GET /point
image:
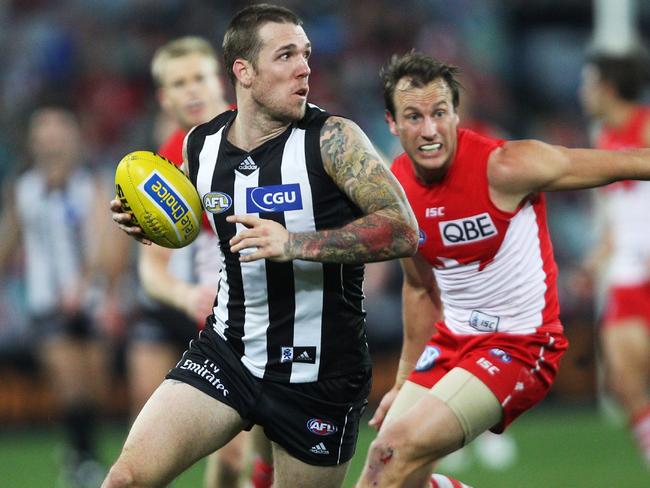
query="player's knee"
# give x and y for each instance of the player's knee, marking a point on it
(119, 476)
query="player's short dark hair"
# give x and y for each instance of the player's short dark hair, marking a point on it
(241, 39)
(627, 73)
(422, 70)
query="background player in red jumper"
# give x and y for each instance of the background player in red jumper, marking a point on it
(485, 324)
(190, 91)
(611, 86)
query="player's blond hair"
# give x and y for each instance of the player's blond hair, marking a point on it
(179, 48)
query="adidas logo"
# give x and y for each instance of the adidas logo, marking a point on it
(319, 449)
(303, 357)
(247, 165)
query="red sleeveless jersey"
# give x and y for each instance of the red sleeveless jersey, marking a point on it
(627, 204)
(628, 136)
(495, 269)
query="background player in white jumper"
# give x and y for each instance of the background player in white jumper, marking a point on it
(611, 87)
(53, 212)
(485, 325)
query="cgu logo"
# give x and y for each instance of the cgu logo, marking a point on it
(467, 230)
(163, 195)
(216, 202)
(321, 427)
(276, 198)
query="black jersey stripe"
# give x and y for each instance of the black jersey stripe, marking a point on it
(281, 293)
(343, 316)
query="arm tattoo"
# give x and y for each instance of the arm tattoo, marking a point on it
(387, 229)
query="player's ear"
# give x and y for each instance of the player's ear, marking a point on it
(243, 71)
(163, 100)
(390, 120)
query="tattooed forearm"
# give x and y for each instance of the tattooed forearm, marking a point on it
(368, 239)
(388, 228)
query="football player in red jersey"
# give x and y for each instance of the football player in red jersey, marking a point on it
(482, 336)
(611, 86)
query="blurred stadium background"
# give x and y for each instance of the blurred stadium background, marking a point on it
(521, 62)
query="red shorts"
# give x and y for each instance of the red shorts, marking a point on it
(518, 369)
(627, 302)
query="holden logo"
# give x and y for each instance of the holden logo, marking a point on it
(321, 427)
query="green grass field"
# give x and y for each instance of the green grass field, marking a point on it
(558, 448)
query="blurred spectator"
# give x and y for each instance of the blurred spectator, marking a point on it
(54, 211)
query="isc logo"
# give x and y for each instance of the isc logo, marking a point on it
(276, 198)
(216, 202)
(164, 196)
(321, 427)
(467, 230)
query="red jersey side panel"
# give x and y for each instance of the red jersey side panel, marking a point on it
(172, 149)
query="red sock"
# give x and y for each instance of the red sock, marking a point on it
(262, 475)
(640, 424)
(443, 481)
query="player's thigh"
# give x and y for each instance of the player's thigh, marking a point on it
(233, 453)
(147, 365)
(626, 346)
(177, 426)
(436, 421)
(408, 396)
(64, 361)
(290, 472)
(259, 446)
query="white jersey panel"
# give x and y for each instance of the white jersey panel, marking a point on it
(508, 295)
(256, 304)
(627, 210)
(208, 160)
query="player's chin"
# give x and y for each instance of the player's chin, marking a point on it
(297, 111)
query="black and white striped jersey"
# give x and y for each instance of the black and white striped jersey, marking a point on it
(54, 223)
(297, 321)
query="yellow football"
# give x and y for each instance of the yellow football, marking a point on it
(162, 200)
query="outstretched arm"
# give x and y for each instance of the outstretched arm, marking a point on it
(386, 230)
(520, 168)
(421, 309)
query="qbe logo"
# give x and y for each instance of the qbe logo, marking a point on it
(467, 230)
(321, 427)
(275, 198)
(216, 202)
(164, 196)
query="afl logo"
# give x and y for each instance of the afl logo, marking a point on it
(321, 427)
(422, 238)
(428, 358)
(501, 354)
(216, 202)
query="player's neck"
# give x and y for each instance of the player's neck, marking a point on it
(252, 128)
(619, 114)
